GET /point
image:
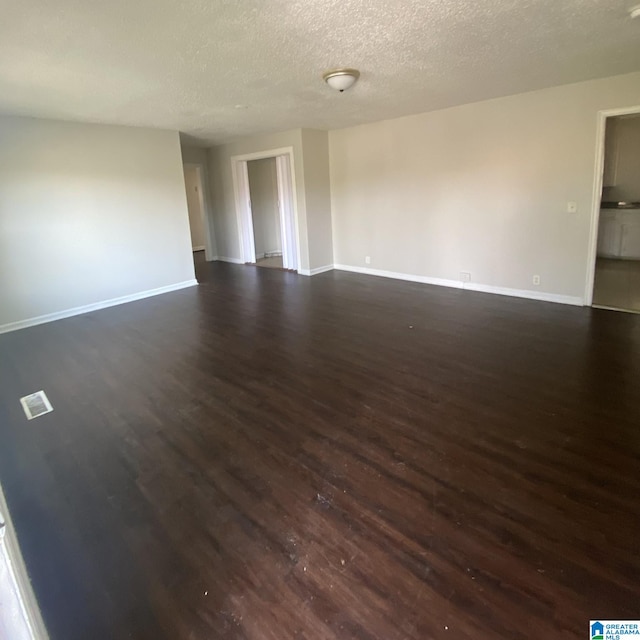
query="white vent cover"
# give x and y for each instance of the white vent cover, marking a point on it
(36, 404)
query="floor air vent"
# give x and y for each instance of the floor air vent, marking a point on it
(36, 404)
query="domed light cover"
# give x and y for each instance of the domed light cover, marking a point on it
(341, 79)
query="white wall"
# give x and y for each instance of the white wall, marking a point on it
(196, 215)
(194, 155)
(88, 213)
(315, 148)
(481, 188)
(263, 188)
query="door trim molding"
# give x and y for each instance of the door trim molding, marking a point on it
(242, 199)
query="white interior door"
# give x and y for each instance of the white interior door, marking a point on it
(287, 216)
(243, 203)
(195, 207)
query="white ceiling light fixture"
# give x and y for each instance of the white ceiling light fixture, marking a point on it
(634, 12)
(341, 79)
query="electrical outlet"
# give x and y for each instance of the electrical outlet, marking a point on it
(367, 259)
(572, 207)
(536, 280)
(465, 276)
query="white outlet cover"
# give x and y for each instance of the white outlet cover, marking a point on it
(465, 276)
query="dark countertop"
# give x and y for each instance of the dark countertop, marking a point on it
(620, 205)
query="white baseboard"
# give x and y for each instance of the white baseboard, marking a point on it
(96, 306)
(525, 293)
(232, 260)
(469, 286)
(316, 271)
(197, 248)
(456, 284)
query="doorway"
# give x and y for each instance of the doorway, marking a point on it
(616, 281)
(266, 208)
(265, 213)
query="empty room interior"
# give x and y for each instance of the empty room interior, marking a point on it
(320, 321)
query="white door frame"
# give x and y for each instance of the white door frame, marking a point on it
(209, 253)
(287, 203)
(597, 195)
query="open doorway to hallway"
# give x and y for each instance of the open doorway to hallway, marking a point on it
(617, 269)
(265, 212)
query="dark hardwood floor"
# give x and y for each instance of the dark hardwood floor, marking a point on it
(269, 456)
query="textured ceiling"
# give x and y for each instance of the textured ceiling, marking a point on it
(217, 70)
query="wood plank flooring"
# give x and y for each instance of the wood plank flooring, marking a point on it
(617, 284)
(274, 262)
(273, 457)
